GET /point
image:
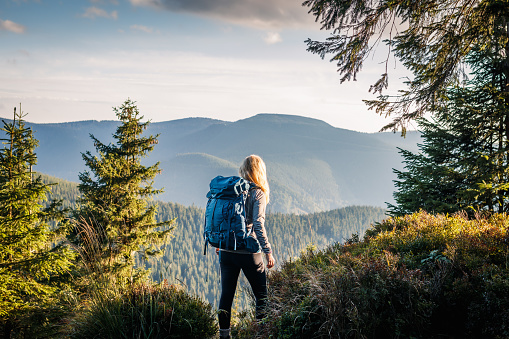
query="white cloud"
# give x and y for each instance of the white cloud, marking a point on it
(274, 14)
(94, 12)
(272, 38)
(71, 85)
(142, 2)
(142, 28)
(8, 25)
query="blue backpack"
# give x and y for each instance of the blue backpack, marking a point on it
(225, 215)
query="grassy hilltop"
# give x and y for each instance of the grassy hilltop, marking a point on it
(417, 276)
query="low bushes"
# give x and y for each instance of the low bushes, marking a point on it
(417, 276)
(144, 311)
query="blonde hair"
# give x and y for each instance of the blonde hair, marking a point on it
(253, 169)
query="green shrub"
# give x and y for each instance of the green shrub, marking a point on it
(416, 276)
(349, 300)
(145, 311)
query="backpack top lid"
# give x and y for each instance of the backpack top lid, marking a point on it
(227, 187)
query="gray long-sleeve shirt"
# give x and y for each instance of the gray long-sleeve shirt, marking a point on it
(255, 217)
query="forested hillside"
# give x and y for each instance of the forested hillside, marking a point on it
(183, 261)
(61, 189)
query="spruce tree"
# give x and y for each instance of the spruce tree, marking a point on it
(431, 179)
(431, 38)
(115, 193)
(463, 162)
(33, 256)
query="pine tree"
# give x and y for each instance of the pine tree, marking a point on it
(33, 256)
(115, 193)
(432, 38)
(430, 180)
(463, 162)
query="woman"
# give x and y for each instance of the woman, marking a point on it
(231, 262)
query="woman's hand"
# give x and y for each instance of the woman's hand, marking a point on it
(270, 260)
(217, 251)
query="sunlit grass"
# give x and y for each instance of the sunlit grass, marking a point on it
(416, 276)
(117, 308)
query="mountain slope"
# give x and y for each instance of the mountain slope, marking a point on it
(311, 165)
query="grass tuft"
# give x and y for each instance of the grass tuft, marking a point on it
(116, 307)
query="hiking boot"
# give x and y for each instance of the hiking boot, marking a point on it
(224, 333)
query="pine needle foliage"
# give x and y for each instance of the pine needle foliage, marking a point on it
(33, 255)
(463, 162)
(115, 191)
(431, 38)
(414, 276)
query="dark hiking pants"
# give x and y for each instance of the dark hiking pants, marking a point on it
(254, 269)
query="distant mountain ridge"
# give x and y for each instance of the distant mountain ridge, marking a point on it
(312, 166)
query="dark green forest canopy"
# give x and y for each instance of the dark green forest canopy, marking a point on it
(431, 38)
(61, 189)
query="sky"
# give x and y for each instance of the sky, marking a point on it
(74, 60)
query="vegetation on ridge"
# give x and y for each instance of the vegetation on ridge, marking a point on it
(416, 276)
(113, 309)
(34, 260)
